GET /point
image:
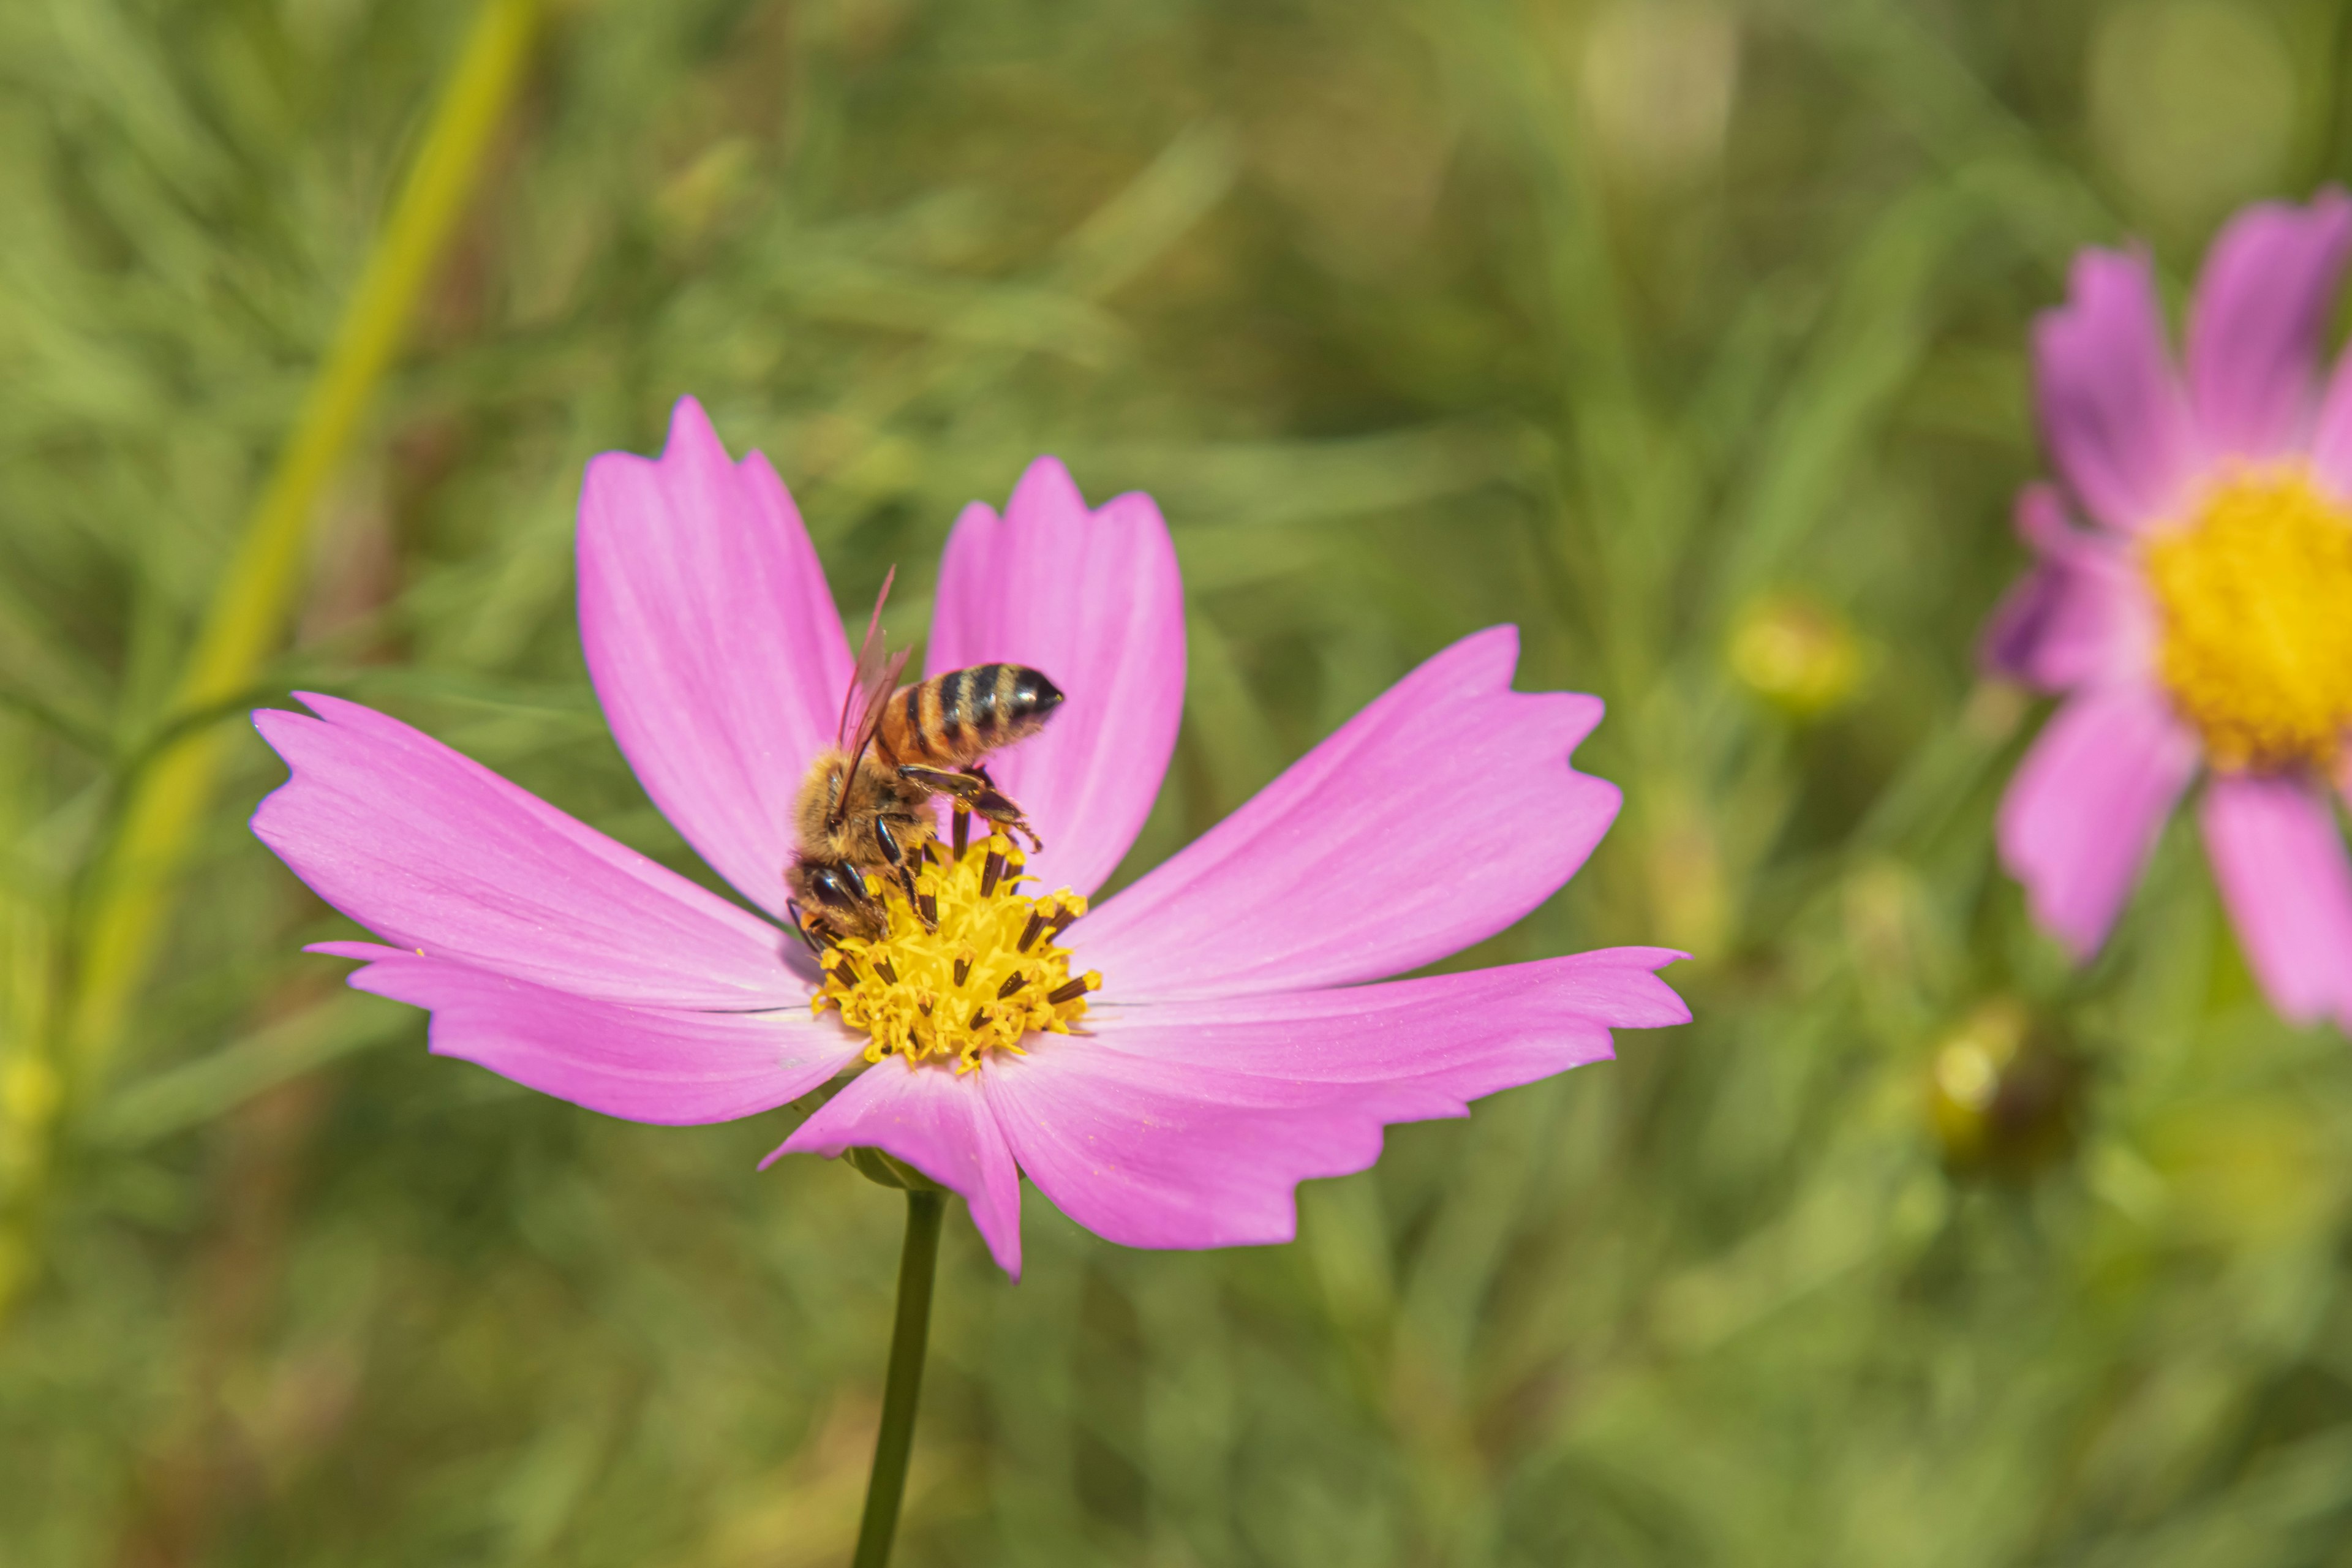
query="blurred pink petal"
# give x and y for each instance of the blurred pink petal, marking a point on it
(2112, 409)
(2259, 321)
(936, 1120)
(2331, 432)
(2085, 809)
(2280, 860)
(1191, 1124)
(713, 643)
(430, 850)
(2081, 616)
(1094, 600)
(1443, 812)
(657, 1065)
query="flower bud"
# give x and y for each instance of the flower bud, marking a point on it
(2004, 1094)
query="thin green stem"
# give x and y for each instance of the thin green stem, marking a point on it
(910, 1338)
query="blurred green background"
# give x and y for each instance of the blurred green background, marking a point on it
(1685, 333)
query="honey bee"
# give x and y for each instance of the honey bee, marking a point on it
(865, 806)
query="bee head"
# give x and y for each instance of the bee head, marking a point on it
(835, 893)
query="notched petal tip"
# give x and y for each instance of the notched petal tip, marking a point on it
(691, 452)
(1045, 489)
(692, 436)
(1645, 999)
(274, 723)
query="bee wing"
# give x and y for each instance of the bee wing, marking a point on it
(871, 657)
(869, 692)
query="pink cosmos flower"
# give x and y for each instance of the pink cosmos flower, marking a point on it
(2204, 623)
(1229, 1051)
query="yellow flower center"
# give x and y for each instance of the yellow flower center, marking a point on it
(2256, 598)
(987, 976)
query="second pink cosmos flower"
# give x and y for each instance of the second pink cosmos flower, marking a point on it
(1231, 1052)
(2204, 626)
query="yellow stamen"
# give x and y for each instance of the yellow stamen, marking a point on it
(970, 986)
(2255, 593)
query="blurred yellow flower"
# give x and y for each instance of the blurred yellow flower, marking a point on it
(1659, 78)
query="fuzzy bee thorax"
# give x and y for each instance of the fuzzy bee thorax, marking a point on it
(845, 829)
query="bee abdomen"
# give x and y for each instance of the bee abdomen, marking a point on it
(952, 720)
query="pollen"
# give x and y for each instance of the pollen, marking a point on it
(2255, 595)
(987, 978)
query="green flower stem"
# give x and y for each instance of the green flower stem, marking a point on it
(169, 799)
(910, 1338)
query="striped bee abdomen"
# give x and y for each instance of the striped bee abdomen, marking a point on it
(953, 720)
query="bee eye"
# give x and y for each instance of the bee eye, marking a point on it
(831, 886)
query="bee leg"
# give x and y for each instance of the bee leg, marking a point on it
(1007, 813)
(1001, 809)
(905, 870)
(1003, 813)
(915, 898)
(809, 930)
(970, 788)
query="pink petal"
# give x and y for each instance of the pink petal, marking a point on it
(2112, 409)
(1094, 600)
(2331, 432)
(641, 1064)
(1191, 1124)
(713, 642)
(1151, 1152)
(2086, 805)
(2081, 616)
(1460, 1036)
(1435, 817)
(2331, 435)
(937, 1122)
(432, 850)
(2258, 321)
(2280, 860)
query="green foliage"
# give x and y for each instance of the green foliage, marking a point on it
(1629, 321)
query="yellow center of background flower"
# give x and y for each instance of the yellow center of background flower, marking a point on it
(989, 975)
(2256, 595)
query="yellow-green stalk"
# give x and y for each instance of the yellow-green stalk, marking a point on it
(166, 801)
